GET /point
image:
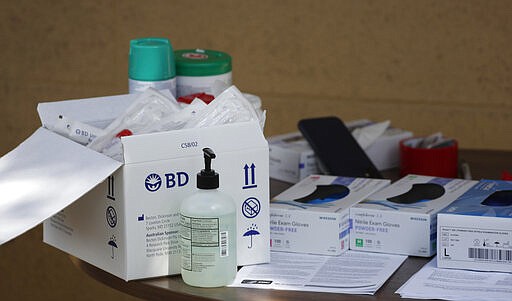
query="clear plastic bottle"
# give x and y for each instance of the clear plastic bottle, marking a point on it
(208, 232)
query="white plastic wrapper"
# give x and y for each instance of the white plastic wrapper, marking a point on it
(367, 135)
(177, 120)
(74, 130)
(154, 112)
(229, 107)
(150, 108)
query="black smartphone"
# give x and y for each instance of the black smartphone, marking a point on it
(336, 149)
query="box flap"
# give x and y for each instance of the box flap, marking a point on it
(98, 111)
(43, 175)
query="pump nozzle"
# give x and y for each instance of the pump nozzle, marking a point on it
(208, 178)
(208, 156)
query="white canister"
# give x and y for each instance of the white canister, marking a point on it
(198, 69)
(151, 64)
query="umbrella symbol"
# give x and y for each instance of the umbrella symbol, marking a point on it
(251, 231)
(112, 243)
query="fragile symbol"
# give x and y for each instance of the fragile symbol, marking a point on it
(251, 207)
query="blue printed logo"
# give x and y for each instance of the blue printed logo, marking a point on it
(153, 182)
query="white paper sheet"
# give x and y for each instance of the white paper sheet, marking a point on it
(351, 272)
(368, 134)
(42, 176)
(432, 282)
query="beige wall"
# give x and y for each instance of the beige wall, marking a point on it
(426, 65)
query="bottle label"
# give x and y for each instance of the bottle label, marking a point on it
(137, 86)
(202, 243)
(186, 85)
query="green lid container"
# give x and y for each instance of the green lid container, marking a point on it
(151, 59)
(201, 62)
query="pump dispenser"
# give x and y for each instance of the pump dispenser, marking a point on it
(208, 232)
(208, 178)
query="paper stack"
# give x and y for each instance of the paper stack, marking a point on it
(432, 282)
(350, 273)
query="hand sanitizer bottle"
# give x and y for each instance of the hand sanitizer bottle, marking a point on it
(208, 232)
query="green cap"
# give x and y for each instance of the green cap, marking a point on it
(201, 62)
(151, 59)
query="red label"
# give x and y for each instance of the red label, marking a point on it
(195, 56)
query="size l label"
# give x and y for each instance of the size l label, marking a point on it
(476, 245)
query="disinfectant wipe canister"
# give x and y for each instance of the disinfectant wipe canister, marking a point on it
(198, 69)
(151, 64)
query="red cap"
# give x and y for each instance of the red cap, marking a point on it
(206, 98)
(125, 132)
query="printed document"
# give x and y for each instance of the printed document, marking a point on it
(351, 272)
(432, 282)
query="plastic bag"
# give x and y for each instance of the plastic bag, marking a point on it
(150, 108)
(177, 120)
(74, 130)
(229, 107)
(154, 112)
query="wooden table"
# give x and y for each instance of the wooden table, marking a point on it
(483, 164)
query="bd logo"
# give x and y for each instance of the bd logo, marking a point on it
(153, 181)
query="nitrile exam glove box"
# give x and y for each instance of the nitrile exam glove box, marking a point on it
(402, 218)
(312, 216)
(475, 231)
(128, 224)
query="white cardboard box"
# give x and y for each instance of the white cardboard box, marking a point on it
(292, 159)
(128, 224)
(475, 231)
(402, 218)
(313, 215)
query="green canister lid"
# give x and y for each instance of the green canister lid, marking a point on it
(201, 62)
(151, 59)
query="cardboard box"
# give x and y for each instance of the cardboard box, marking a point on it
(313, 215)
(475, 231)
(401, 218)
(292, 159)
(128, 224)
